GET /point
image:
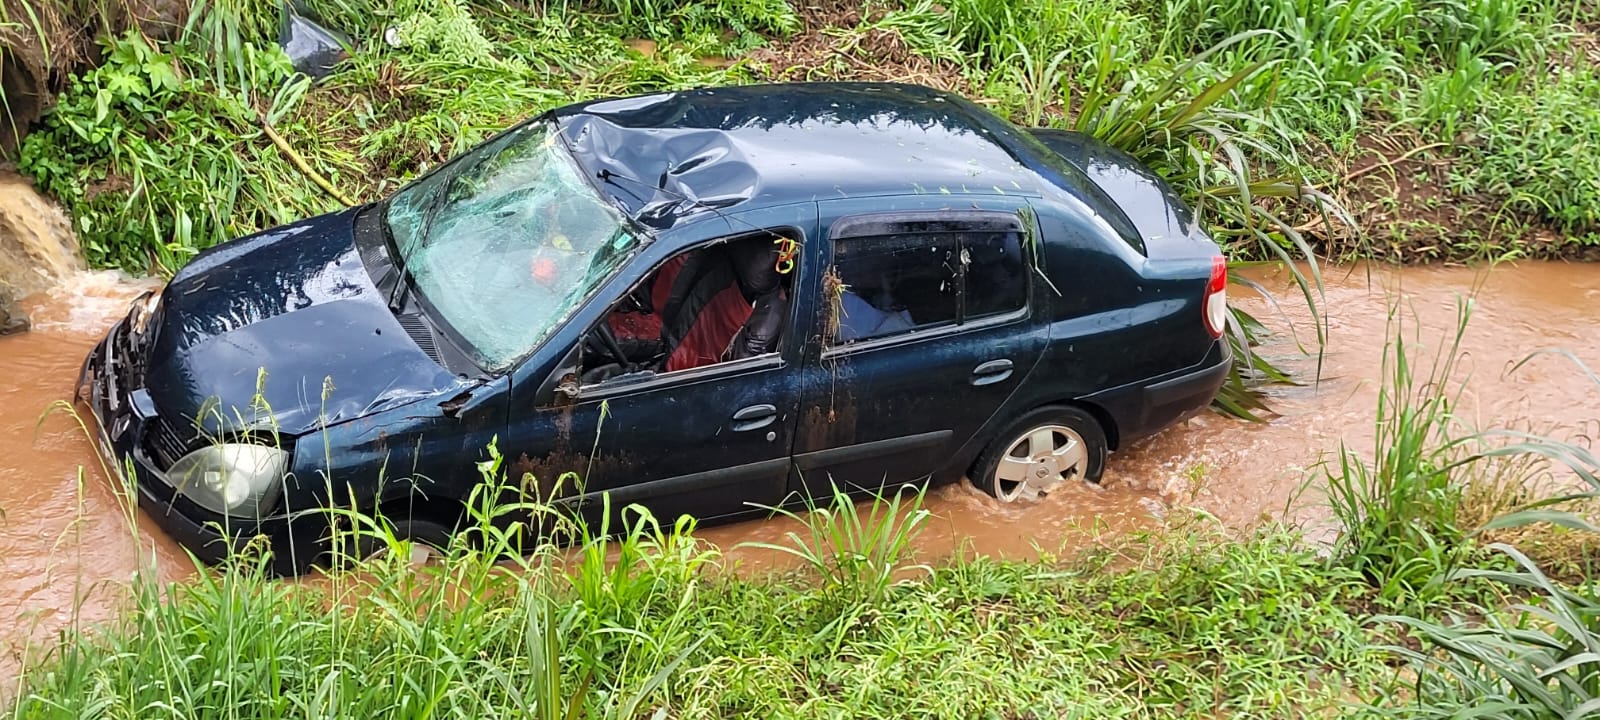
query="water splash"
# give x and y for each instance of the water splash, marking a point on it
(37, 247)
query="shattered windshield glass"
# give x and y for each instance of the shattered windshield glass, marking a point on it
(506, 240)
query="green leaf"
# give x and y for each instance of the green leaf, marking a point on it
(102, 107)
(1568, 520)
(161, 73)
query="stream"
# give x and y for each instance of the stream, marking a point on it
(69, 544)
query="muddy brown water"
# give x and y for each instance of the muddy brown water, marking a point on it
(69, 544)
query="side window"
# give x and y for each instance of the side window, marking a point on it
(723, 301)
(890, 284)
(997, 277)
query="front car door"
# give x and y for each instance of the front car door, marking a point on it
(706, 441)
(925, 328)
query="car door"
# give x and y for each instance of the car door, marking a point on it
(925, 329)
(707, 441)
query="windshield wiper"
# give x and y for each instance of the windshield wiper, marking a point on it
(402, 284)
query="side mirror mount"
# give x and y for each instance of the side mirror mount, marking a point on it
(566, 391)
(561, 387)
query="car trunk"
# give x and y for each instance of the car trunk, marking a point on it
(1163, 222)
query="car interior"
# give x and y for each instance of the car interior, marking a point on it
(716, 303)
(894, 283)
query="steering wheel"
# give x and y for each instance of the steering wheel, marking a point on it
(603, 342)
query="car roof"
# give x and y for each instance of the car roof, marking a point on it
(673, 157)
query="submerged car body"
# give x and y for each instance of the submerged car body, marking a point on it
(704, 302)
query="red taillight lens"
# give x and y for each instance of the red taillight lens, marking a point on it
(1216, 304)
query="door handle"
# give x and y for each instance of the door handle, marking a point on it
(991, 372)
(754, 417)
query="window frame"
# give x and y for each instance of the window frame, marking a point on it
(622, 384)
(956, 222)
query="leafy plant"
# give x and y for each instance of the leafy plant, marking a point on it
(1207, 624)
(1534, 660)
(1540, 149)
(1401, 511)
(155, 161)
(856, 556)
(1212, 155)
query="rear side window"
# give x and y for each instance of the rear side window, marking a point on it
(890, 284)
(997, 280)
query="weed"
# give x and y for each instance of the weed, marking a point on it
(1536, 659)
(857, 557)
(155, 160)
(1399, 510)
(1410, 513)
(1249, 626)
(1540, 149)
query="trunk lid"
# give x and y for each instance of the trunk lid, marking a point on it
(1164, 222)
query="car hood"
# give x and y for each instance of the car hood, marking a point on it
(284, 326)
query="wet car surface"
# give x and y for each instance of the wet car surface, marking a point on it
(704, 302)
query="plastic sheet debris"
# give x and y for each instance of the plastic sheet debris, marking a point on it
(312, 48)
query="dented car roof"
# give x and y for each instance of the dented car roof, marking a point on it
(672, 156)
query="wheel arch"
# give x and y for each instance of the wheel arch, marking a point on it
(1102, 416)
(1108, 425)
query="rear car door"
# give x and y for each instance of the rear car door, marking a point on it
(925, 327)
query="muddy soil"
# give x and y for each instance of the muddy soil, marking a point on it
(68, 541)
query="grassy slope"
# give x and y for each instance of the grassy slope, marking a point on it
(160, 151)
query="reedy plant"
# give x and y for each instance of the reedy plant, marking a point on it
(1401, 509)
(1182, 127)
(1535, 660)
(482, 631)
(857, 557)
(1398, 510)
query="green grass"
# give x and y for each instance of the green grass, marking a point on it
(159, 152)
(1399, 510)
(1410, 512)
(1524, 660)
(1519, 158)
(645, 626)
(1531, 649)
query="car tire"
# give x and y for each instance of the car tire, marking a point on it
(429, 540)
(1040, 451)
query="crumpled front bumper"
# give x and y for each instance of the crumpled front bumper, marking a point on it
(111, 384)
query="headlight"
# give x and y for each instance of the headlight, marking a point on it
(235, 479)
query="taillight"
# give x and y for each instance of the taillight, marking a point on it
(1216, 305)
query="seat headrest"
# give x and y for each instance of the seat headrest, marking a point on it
(755, 265)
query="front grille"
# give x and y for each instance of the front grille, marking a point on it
(129, 350)
(165, 442)
(126, 358)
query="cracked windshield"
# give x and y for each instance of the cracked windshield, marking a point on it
(538, 237)
(772, 359)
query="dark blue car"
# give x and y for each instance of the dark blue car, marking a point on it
(703, 302)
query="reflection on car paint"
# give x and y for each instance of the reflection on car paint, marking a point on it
(385, 400)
